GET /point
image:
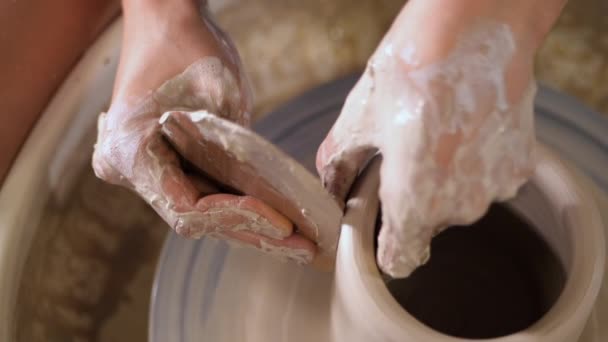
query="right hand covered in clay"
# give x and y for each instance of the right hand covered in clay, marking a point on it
(447, 99)
(174, 59)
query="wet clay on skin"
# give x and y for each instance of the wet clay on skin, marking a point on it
(238, 158)
(132, 152)
(453, 138)
(490, 279)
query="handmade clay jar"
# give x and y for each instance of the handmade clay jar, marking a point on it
(554, 201)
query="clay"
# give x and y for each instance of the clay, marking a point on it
(363, 308)
(242, 161)
(453, 133)
(131, 152)
(294, 304)
(490, 279)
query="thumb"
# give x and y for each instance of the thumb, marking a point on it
(232, 212)
(339, 163)
(348, 146)
(251, 222)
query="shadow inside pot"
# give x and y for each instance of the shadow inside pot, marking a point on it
(490, 279)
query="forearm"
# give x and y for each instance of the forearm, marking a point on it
(168, 6)
(532, 17)
(41, 41)
(433, 26)
(157, 13)
(170, 32)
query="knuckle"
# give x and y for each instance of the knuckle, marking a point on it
(102, 168)
(106, 161)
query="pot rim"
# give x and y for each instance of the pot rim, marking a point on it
(566, 317)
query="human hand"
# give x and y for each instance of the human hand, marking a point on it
(447, 99)
(160, 43)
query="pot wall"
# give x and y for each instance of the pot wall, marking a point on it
(554, 201)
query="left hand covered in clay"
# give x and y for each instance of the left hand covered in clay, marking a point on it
(447, 99)
(174, 59)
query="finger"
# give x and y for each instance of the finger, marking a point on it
(405, 235)
(339, 164)
(244, 213)
(145, 163)
(398, 256)
(159, 179)
(295, 247)
(347, 146)
(231, 158)
(177, 204)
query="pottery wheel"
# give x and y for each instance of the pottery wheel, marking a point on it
(206, 290)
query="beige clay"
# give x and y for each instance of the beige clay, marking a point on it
(240, 159)
(131, 152)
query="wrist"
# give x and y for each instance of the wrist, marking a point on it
(434, 26)
(530, 21)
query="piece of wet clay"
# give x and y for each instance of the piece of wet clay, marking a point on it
(242, 161)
